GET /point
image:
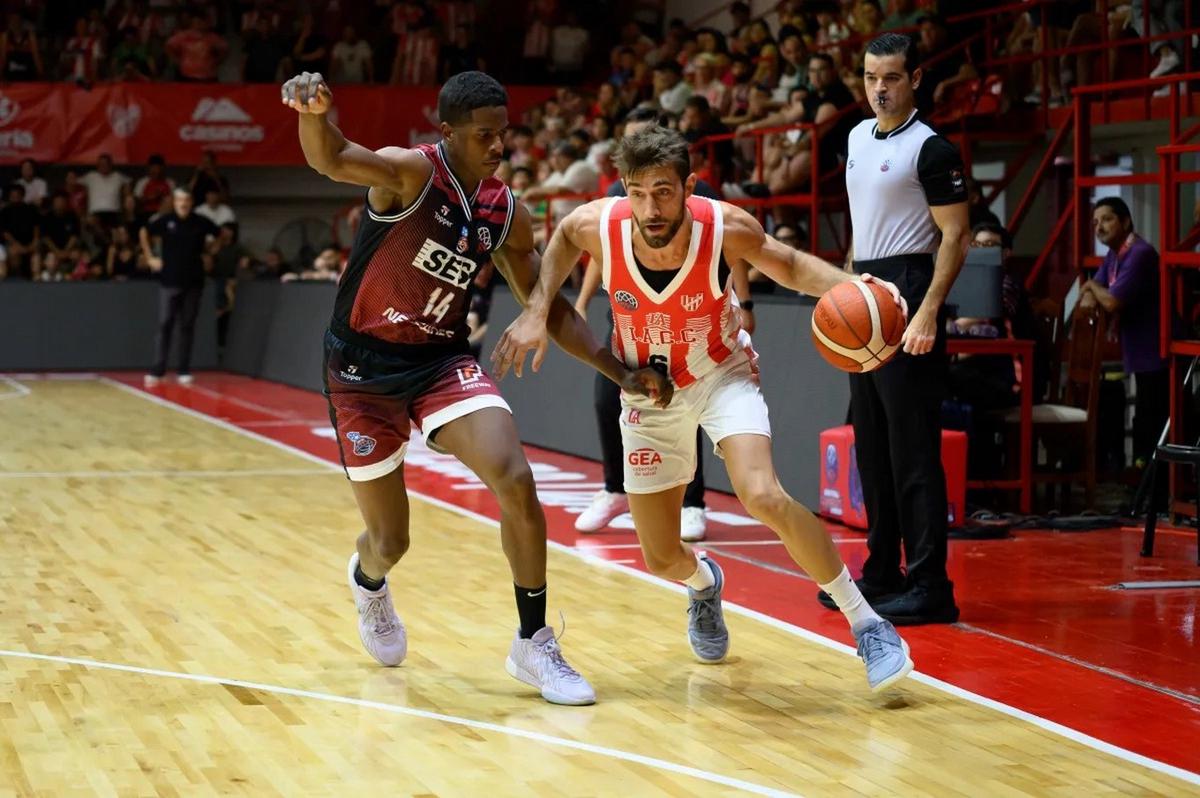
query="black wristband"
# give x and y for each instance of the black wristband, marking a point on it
(748, 304)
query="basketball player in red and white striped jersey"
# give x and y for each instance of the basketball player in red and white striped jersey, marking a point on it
(660, 252)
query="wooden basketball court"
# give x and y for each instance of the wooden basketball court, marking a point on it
(175, 621)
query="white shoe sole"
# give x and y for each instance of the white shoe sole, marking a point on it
(553, 696)
(589, 528)
(693, 538)
(898, 675)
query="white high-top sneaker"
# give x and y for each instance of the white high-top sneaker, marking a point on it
(379, 627)
(693, 526)
(604, 508)
(539, 663)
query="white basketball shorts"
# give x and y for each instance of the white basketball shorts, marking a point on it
(660, 443)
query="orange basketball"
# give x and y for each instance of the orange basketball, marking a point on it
(857, 326)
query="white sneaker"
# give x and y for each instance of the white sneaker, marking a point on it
(604, 508)
(539, 663)
(693, 525)
(379, 627)
(186, 379)
(151, 380)
(1168, 61)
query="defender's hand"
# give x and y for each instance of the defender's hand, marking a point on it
(307, 93)
(891, 289)
(649, 382)
(526, 333)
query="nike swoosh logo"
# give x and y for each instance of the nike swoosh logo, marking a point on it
(535, 595)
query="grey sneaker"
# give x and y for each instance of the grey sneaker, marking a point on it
(706, 623)
(883, 652)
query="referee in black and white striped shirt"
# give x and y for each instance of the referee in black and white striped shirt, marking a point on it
(908, 205)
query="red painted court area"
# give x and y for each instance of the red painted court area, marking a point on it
(1043, 628)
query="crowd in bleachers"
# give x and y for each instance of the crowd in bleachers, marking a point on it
(256, 41)
(799, 64)
(85, 224)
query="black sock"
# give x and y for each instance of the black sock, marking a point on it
(531, 606)
(365, 581)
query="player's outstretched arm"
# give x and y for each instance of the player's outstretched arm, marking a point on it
(517, 260)
(391, 170)
(528, 331)
(791, 268)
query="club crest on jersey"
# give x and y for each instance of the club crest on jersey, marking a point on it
(363, 444)
(626, 300)
(436, 260)
(691, 302)
(462, 241)
(485, 238)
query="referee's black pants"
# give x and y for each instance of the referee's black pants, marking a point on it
(896, 413)
(607, 398)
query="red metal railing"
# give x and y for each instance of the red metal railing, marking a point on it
(1079, 119)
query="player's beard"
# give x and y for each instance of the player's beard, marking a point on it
(658, 242)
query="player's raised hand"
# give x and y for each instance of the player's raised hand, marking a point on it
(526, 333)
(649, 382)
(307, 93)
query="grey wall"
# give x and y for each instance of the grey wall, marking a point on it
(276, 334)
(91, 326)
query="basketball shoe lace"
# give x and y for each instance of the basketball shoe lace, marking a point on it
(705, 613)
(378, 612)
(553, 657)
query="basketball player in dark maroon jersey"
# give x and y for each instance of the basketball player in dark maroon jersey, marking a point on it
(396, 351)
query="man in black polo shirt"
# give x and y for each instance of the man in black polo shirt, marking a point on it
(185, 237)
(908, 206)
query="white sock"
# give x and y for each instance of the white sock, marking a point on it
(849, 599)
(703, 579)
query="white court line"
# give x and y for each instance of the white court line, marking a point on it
(396, 709)
(18, 390)
(181, 474)
(1036, 720)
(57, 376)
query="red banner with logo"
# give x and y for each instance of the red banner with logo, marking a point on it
(243, 124)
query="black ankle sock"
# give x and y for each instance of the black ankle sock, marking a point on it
(365, 581)
(531, 607)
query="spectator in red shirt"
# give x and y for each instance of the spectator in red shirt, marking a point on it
(197, 51)
(153, 189)
(77, 193)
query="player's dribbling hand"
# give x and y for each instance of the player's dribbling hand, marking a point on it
(524, 334)
(307, 93)
(891, 289)
(649, 382)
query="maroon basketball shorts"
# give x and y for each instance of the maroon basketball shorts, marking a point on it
(376, 398)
